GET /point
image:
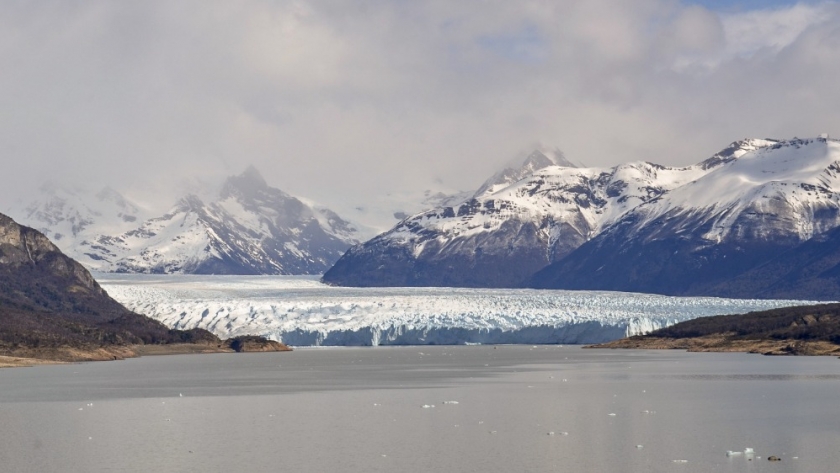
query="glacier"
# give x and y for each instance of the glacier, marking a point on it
(301, 311)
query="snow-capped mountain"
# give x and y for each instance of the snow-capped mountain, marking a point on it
(246, 227)
(726, 223)
(635, 227)
(519, 221)
(71, 215)
(251, 228)
(519, 169)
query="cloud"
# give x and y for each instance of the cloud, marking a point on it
(345, 101)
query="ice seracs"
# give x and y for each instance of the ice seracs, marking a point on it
(301, 311)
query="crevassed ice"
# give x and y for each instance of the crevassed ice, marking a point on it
(301, 311)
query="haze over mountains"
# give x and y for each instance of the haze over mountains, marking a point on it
(757, 219)
(248, 228)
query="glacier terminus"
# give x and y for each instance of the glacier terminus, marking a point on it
(301, 311)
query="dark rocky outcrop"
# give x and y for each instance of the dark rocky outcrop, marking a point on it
(51, 307)
(802, 330)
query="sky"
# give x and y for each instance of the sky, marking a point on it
(346, 102)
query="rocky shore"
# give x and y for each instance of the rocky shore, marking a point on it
(804, 330)
(722, 343)
(58, 355)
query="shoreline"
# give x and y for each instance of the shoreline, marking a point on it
(724, 344)
(67, 355)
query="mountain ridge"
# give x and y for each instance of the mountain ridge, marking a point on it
(720, 228)
(503, 235)
(249, 227)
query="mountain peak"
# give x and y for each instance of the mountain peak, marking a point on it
(542, 157)
(735, 150)
(519, 168)
(248, 184)
(251, 176)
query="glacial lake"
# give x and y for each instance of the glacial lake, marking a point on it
(508, 408)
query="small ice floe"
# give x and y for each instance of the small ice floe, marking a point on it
(730, 453)
(450, 402)
(647, 412)
(90, 404)
(680, 461)
(492, 431)
(428, 406)
(564, 380)
(180, 395)
(376, 404)
(550, 434)
(749, 451)
(90, 438)
(81, 408)
(640, 447)
(612, 414)
(794, 458)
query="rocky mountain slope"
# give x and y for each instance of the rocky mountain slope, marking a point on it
(803, 330)
(518, 222)
(50, 305)
(723, 227)
(810, 270)
(52, 308)
(249, 228)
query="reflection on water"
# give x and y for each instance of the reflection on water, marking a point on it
(420, 409)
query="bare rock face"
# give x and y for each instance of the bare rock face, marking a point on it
(21, 244)
(24, 250)
(52, 308)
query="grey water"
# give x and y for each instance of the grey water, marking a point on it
(421, 409)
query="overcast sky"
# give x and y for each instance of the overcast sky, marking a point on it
(344, 101)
